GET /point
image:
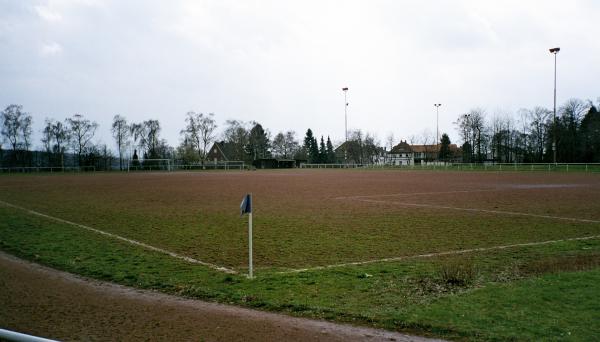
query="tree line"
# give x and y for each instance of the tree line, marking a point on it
(71, 142)
(499, 138)
(529, 137)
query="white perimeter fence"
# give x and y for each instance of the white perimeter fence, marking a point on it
(168, 165)
(562, 167)
(51, 169)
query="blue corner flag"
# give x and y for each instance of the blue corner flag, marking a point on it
(246, 206)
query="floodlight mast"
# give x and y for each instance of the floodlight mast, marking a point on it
(345, 90)
(437, 124)
(554, 51)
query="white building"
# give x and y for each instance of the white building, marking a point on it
(400, 155)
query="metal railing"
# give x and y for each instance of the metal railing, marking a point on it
(19, 337)
(50, 169)
(559, 167)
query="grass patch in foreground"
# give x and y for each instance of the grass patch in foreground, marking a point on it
(423, 296)
(562, 306)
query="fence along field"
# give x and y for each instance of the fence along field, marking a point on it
(307, 219)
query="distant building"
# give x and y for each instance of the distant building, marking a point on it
(341, 152)
(216, 153)
(425, 153)
(405, 154)
(401, 154)
(429, 153)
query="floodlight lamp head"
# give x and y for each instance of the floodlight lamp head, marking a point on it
(345, 89)
(554, 50)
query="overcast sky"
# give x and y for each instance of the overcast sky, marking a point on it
(283, 63)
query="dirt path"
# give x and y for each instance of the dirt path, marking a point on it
(54, 304)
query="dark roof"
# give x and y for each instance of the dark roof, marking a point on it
(432, 148)
(402, 147)
(216, 151)
(343, 146)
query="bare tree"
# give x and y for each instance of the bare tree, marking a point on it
(207, 127)
(137, 132)
(82, 131)
(371, 148)
(16, 127)
(355, 146)
(151, 137)
(390, 141)
(502, 136)
(237, 137)
(279, 148)
(121, 132)
(573, 110)
(477, 123)
(61, 137)
(191, 132)
(200, 132)
(26, 132)
(427, 139)
(291, 144)
(47, 136)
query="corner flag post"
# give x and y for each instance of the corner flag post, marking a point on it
(246, 208)
(250, 241)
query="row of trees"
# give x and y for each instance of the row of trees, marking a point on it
(76, 132)
(526, 137)
(72, 139)
(530, 136)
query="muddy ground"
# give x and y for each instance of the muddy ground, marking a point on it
(44, 302)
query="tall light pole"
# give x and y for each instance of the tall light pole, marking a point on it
(437, 124)
(554, 51)
(345, 90)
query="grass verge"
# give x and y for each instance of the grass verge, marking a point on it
(515, 294)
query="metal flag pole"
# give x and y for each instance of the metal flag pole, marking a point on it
(250, 275)
(246, 208)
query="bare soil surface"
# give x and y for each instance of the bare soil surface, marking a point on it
(45, 302)
(301, 216)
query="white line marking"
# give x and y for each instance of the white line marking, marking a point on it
(118, 237)
(431, 255)
(502, 187)
(501, 212)
(415, 193)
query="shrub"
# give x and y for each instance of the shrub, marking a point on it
(457, 273)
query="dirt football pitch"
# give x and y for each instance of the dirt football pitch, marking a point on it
(463, 255)
(307, 218)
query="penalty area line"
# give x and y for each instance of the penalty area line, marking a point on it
(130, 241)
(405, 194)
(437, 254)
(488, 211)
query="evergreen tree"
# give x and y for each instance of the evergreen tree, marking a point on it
(308, 145)
(258, 145)
(136, 160)
(467, 152)
(444, 148)
(314, 150)
(330, 152)
(590, 136)
(322, 152)
(311, 146)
